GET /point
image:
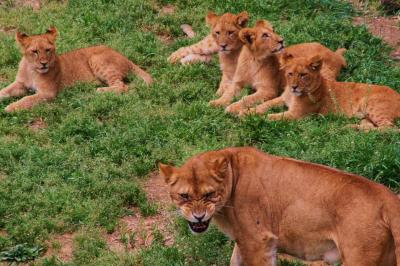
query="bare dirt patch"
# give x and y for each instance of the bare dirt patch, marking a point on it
(34, 4)
(386, 28)
(61, 246)
(37, 124)
(168, 9)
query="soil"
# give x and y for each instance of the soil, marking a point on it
(37, 124)
(386, 28)
(134, 232)
(168, 9)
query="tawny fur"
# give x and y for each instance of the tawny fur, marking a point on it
(256, 200)
(47, 73)
(308, 92)
(224, 39)
(258, 67)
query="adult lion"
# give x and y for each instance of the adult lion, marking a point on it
(267, 203)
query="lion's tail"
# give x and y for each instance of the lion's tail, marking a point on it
(393, 215)
(141, 73)
(340, 52)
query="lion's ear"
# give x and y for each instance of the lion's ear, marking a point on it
(21, 38)
(242, 19)
(52, 33)
(211, 18)
(247, 36)
(285, 59)
(219, 167)
(315, 63)
(167, 171)
(264, 23)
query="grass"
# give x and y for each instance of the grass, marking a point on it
(81, 173)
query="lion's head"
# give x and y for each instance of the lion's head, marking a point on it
(200, 188)
(225, 29)
(39, 50)
(262, 40)
(302, 74)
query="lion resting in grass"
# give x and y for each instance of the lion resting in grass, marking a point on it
(308, 92)
(47, 73)
(224, 39)
(268, 204)
(259, 66)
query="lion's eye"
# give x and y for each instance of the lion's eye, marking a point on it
(209, 195)
(217, 32)
(48, 50)
(303, 75)
(184, 196)
(231, 33)
(35, 51)
(265, 35)
(290, 74)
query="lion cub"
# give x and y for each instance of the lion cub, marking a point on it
(308, 92)
(47, 73)
(224, 38)
(258, 66)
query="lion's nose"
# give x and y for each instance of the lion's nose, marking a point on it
(223, 46)
(44, 64)
(198, 217)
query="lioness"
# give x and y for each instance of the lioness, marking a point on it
(267, 203)
(307, 92)
(47, 73)
(224, 38)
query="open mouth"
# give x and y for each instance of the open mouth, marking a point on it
(199, 227)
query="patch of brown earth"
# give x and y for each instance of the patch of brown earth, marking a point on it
(61, 246)
(9, 30)
(37, 124)
(162, 34)
(34, 4)
(136, 232)
(386, 28)
(168, 9)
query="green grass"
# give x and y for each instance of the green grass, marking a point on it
(81, 173)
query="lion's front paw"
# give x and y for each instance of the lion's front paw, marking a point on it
(234, 108)
(175, 57)
(275, 117)
(219, 102)
(13, 107)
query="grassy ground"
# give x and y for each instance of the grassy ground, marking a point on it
(81, 172)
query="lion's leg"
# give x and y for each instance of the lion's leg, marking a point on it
(228, 95)
(236, 258)
(283, 116)
(196, 58)
(223, 85)
(15, 89)
(110, 72)
(262, 108)
(207, 46)
(259, 252)
(28, 102)
(250, 100)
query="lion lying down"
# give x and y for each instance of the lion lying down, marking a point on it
(267, 203)
(47, 73)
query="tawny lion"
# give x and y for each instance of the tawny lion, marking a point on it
(308, 92)
(268, 204)
(47, 73)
